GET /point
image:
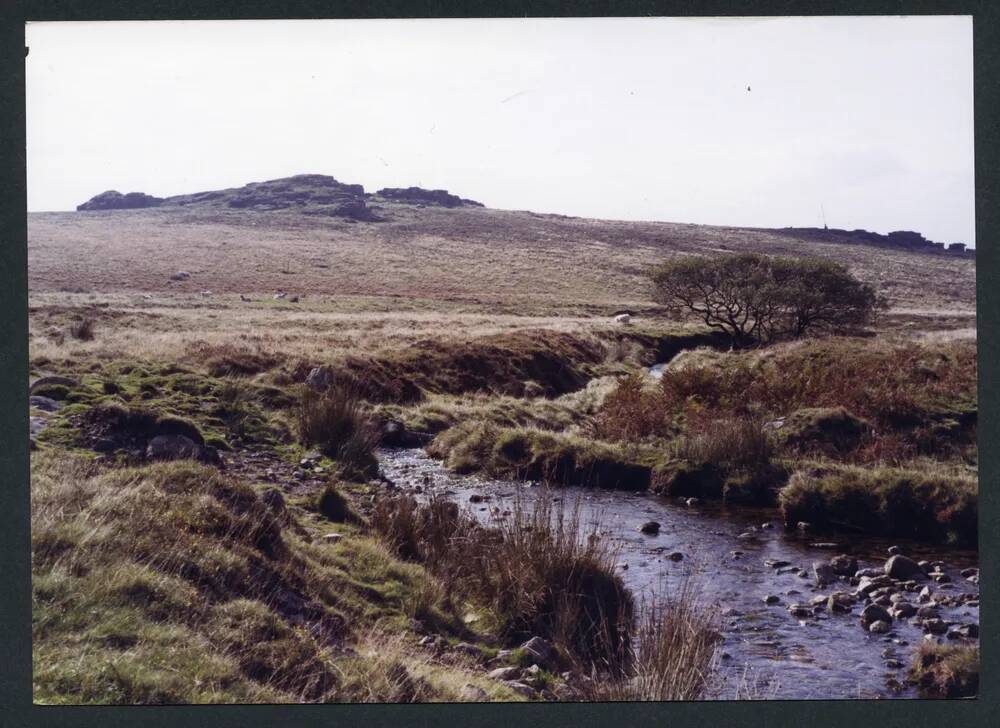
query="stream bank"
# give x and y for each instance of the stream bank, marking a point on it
(761, 577)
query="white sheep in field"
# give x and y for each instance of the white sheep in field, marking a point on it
(624, 318)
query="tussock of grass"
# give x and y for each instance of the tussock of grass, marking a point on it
(538, 571)
(229, 360)
(735, 484)
(672, 653)
(946, 671)
(335, 422)
(829, 430)
(83, 330)
(632, 411)
(730, 458)
(935, 503)
(727, 442)
(440, 412)
(531, 454)
(334, 506)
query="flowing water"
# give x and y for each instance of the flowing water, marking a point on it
(826, 656)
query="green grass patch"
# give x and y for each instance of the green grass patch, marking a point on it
(935, 503)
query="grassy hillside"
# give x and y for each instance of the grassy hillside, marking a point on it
(466, 255)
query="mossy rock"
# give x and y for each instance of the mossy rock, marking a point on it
(58, 392)
(176, 426)
(118, 426)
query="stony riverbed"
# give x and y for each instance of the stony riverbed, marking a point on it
(783, 635)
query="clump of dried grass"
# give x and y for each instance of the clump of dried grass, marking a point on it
(335, 422)
(82, 330)
(672, 653)
(538, 571)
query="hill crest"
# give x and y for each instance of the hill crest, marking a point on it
(314, 194)
(324, 195)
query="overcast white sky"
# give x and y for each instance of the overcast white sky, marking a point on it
(644, 119)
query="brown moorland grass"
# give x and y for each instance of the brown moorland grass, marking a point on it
(463, 253)
(672, 653)
(924, 391)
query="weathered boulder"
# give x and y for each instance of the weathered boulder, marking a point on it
(115, 200)
(179, 447)
(418, 195)
(51, 381)
(520, 688)
(650, 528)
(875, 613)
(867, 585)
(472, 693)
(823, 573)
(44, 404)
(504, 673)
(320, 378)
(903, 568)
(541, 652)
(396, 434)
(966, 631)
(839, 602)
(171, 447)
(800, 611)
(844, 565)
(934, 625)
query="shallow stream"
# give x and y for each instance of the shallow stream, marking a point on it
(778, 655)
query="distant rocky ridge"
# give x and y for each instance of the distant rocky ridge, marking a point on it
(899, 239)
(115, 200)
(313, 194)
(420, 196)
(317, 194)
